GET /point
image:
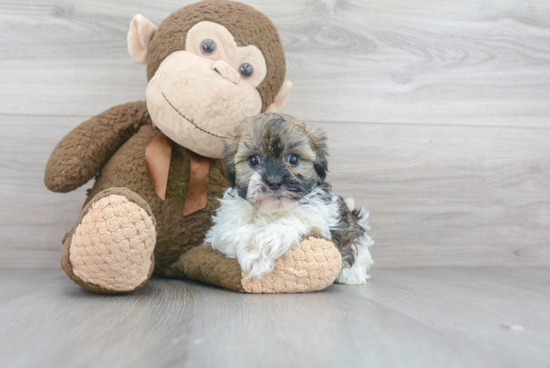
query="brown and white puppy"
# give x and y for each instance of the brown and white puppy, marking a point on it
(278, 196)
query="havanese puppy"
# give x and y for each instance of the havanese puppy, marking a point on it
(278, 197)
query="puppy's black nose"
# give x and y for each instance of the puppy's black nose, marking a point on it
(275, 184)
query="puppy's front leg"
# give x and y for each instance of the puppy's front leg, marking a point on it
(254, 263)
(269, 243)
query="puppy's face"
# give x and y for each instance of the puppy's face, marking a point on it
(275, 160)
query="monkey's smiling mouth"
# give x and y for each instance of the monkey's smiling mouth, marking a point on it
(190, 120)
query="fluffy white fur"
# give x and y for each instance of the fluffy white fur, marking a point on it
(257, 238)
(357, 273)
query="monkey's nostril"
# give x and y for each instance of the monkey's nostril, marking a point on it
(226, 71)
(275, 184)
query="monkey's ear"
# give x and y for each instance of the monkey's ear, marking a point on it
(140, 34)
(281, 98)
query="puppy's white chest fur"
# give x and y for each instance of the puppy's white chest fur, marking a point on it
(257, 239)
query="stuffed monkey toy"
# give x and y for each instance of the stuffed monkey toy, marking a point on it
(157, 164)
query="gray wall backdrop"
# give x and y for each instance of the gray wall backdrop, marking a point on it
(437, 112)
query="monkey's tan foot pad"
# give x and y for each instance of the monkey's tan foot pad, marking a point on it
(310, 266)
(110, 250)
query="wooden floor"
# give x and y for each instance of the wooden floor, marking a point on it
(447, 317)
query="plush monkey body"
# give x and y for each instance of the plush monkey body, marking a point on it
(157, 163)
(176, 234)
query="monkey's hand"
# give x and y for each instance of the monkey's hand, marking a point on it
(310, 266)
(84, 151)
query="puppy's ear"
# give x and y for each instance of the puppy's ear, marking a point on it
(230, 165)
(231, 145)
(318, 142)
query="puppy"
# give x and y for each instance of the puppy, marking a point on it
(278, 196)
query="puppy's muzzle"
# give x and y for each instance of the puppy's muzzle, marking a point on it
(274, 183)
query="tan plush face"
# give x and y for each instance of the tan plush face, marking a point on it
(197, 97)
(210, 65)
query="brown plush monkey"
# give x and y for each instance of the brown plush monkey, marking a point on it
(157, 163)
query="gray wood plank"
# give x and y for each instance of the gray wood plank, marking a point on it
(477, 302)
(438, 195)
(17, 282)
(401, 318)
(448, 195)
(423, 61)
(32, 219)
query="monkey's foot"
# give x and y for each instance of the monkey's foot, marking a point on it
(110, 250)
(310, 266)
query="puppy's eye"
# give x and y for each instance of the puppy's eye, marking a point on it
(293, 159)
(246, 70)
(208, 47)
(254, 161)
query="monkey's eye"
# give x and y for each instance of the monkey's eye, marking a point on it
(208, 47)
(246, 70)
(254, 161)
(293, 159)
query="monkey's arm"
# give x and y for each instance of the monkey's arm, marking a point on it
(82, 152)
(310, 266)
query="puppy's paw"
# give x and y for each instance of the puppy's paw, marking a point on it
(255, 264)
(357, 273)
(352, 276)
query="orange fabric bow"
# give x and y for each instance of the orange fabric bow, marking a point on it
(157, 158)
